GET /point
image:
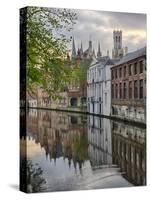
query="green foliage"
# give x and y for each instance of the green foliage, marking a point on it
(47, 66)
(80, 149)
(78, 74)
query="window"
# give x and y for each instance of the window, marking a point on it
(130, 89)
(141, 66)
(116, 73)
(120, 72)
(125, 91)
(141, 89)
(120, 90)
(112, 91)
(130, 70)
(124, 71)
(116, 91)
(135, 68)
(105, 98)
(135, 89)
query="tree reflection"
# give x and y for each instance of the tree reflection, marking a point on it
(65, 136)
(31, 177)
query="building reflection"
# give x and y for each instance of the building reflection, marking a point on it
(115, 144)
(128, 151)
(61, 135)
(78, 138)
(99, 138)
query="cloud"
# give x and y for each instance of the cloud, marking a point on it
(100, 25)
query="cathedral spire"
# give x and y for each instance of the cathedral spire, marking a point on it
(81, 49)
(99, 54)
(90, 44)
(73, 49)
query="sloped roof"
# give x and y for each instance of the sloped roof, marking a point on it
(109, 62)
(103, 61)
(132, 56)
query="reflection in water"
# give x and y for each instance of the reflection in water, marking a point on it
(34, 180)
(129, 152)
(75, 152)
(100, 141)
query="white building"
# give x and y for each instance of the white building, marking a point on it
(100, 141)
(99, 87)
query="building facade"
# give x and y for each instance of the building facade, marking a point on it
(128, 87)
(44, 100)
(99, 87)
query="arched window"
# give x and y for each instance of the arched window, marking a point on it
(73, 102)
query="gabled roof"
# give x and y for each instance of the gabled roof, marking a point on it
(131, 56)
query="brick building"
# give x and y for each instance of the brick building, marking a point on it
(128, 87)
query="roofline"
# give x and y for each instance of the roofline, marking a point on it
(144, 55)
(128, 61)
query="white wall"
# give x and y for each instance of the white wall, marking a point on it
(100, 88)
(107, 91)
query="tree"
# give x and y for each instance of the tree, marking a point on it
(46, 43)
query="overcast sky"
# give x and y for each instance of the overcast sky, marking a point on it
(100, 26)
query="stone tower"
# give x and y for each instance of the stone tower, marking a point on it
(117, 51)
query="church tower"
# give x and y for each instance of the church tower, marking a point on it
(99, 54)
(73, 49)
(117, 51)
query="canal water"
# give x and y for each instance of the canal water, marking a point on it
(67, 151)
